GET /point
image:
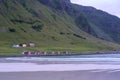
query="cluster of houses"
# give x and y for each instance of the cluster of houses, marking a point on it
(39, 53)
(23, 45)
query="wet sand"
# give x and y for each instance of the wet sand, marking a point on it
(63, 75)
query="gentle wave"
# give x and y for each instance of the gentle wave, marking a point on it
(65, 59)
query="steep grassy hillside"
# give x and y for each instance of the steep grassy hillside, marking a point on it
(104, 25)
(95, 22)
(49, 25)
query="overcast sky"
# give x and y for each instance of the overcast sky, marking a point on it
(110, 6)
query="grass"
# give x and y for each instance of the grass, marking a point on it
(17, 51)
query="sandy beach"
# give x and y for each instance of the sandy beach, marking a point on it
(30, 71)
(58, 70)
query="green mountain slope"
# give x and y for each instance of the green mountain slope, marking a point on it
(104, 25)
(52, 26)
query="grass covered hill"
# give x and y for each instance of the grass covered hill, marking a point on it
(55, 25)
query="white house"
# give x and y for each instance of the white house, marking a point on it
(32, 44)
(16, 46)
(24, 45)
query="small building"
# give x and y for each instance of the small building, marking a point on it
(23, 45)
(26, 52)
(16, 46)
(31, 44)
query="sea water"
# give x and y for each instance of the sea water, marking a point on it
(96, 57)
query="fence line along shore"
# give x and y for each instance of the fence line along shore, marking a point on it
(43, 53)
(53, 53)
